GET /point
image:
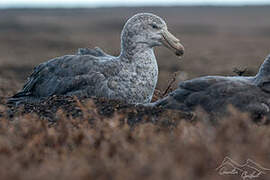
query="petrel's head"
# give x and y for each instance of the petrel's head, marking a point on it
(262, 79)
(151, 30)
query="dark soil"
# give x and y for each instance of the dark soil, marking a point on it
(76, 108)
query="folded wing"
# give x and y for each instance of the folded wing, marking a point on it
(67, 75)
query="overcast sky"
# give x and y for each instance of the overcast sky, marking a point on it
(98, 3)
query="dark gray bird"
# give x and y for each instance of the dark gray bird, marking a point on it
(214, 93)
(131, 77)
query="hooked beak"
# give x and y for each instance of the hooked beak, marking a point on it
(172, 43)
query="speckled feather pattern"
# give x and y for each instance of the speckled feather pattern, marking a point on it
(131, 77)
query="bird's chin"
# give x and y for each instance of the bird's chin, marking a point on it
(155, 42)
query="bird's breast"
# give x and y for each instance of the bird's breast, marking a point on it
(142, 80)
(136, 80)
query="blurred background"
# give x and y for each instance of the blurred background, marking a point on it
(218, 36)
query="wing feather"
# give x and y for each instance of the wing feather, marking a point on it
(65, 74)
(94, 52)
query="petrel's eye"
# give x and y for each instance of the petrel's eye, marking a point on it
(154, 26)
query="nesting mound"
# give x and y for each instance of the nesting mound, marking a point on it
(74, 107)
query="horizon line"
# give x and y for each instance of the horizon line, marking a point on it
(115, 5)
(135, 6)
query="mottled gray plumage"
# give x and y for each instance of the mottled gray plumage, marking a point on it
(214, 93)
(131, 77)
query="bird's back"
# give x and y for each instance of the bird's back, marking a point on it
(213, 93)
(62, 75)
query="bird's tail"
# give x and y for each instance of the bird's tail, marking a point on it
(15, 101)
(170, 102)
(20, 98)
